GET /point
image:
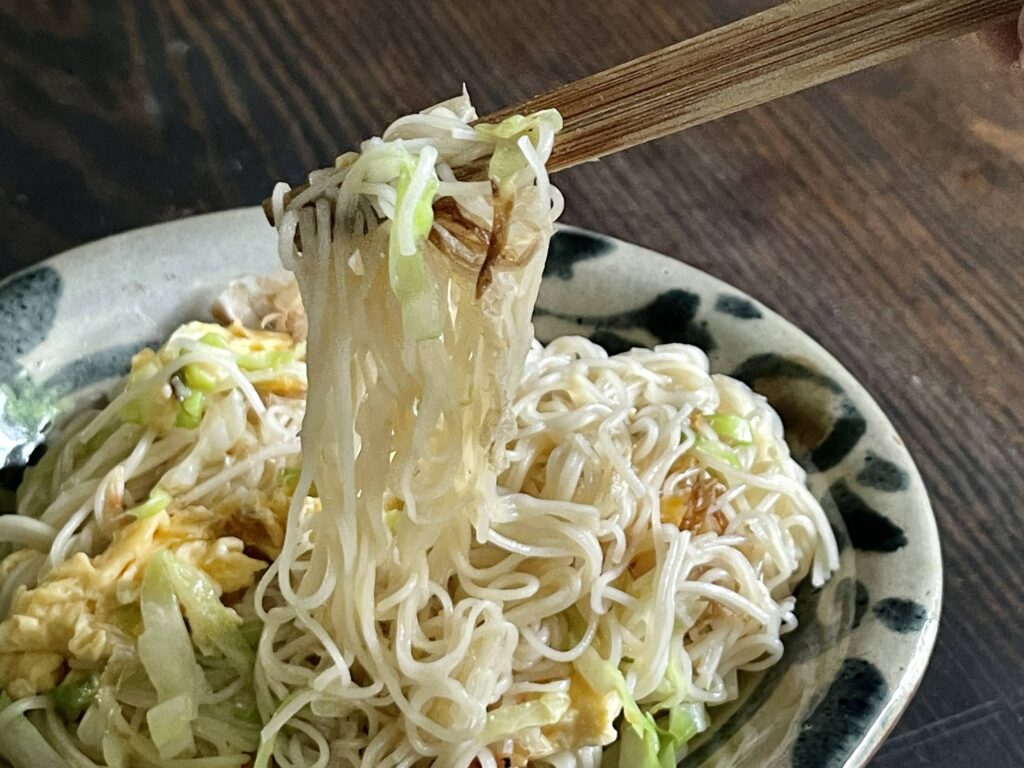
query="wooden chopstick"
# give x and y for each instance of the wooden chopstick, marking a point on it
(790, 47)
(775, 53)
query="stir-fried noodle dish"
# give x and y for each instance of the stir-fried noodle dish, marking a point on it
(365, 519)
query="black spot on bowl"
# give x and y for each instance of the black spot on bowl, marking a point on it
(28, 305)
(11, 477)
(869, 530)
(670, 318)
(839, 720)
(810, 638)
(737, 306)
(860, 604)
(567, 248)
(845, 433)
(612, 343)
(105, 364)
(822, 423)
(900, 615)
(882, 475)
(770, 364)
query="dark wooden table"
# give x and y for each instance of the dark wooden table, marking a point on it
(883, 213)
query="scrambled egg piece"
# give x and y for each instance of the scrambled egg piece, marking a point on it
(589, 721)
(73, 614)
(16, 558)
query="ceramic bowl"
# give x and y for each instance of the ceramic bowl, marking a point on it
(69, 326)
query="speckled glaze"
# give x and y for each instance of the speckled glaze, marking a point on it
(68, 327)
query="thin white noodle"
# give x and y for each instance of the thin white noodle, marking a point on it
(487, 509)
(26, 532)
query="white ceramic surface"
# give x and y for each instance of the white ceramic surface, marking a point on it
(68, 326)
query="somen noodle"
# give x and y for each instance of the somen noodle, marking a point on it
(490, 552)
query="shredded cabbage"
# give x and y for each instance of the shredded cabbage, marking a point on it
(735, 428)
(415, 187)
(75, 695)
(214, 626)
(508, 159)
(644, 743)
(716, 450)
(165, 651)
(505, 722)
(217, 434)
(604, 677)
(158, 501)
(270, 359)
(214, 340)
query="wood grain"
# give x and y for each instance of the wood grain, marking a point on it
(882, 213)
(777, 52)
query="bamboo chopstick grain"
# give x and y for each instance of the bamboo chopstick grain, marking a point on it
(775, 53)
(790, 47)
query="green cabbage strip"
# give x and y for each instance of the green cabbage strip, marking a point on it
(684, 722)
(391, 518)
(268, 736)
(671, 690)
(22, 745)
(198, 378)
(605, 678)
(735, 429)
(75, 694)
(129, 619)
(643, 742)
(213, 340)
(266, 360)
(158, 501)
(190, 410)
(577, 627)
(252, 630)
(216, 629)
(287, 477)
(148, 409)
(731, 430)
(165, 651)
(214, 625)
(507, 159)
(505, 722)
(265, 753)
(416, 183)
(714, 449)
(37, 477)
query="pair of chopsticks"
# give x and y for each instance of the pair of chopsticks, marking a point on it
(793, 46)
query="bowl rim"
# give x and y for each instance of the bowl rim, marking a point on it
(95, 252)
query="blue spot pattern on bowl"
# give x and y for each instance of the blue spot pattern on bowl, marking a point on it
(900, 615)
(802, 645)
(882, 474)
(869, 530)
(670, 318)
(861, 600)
(569, 247)
(737, 306)
(98, 366)
(837, 722)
